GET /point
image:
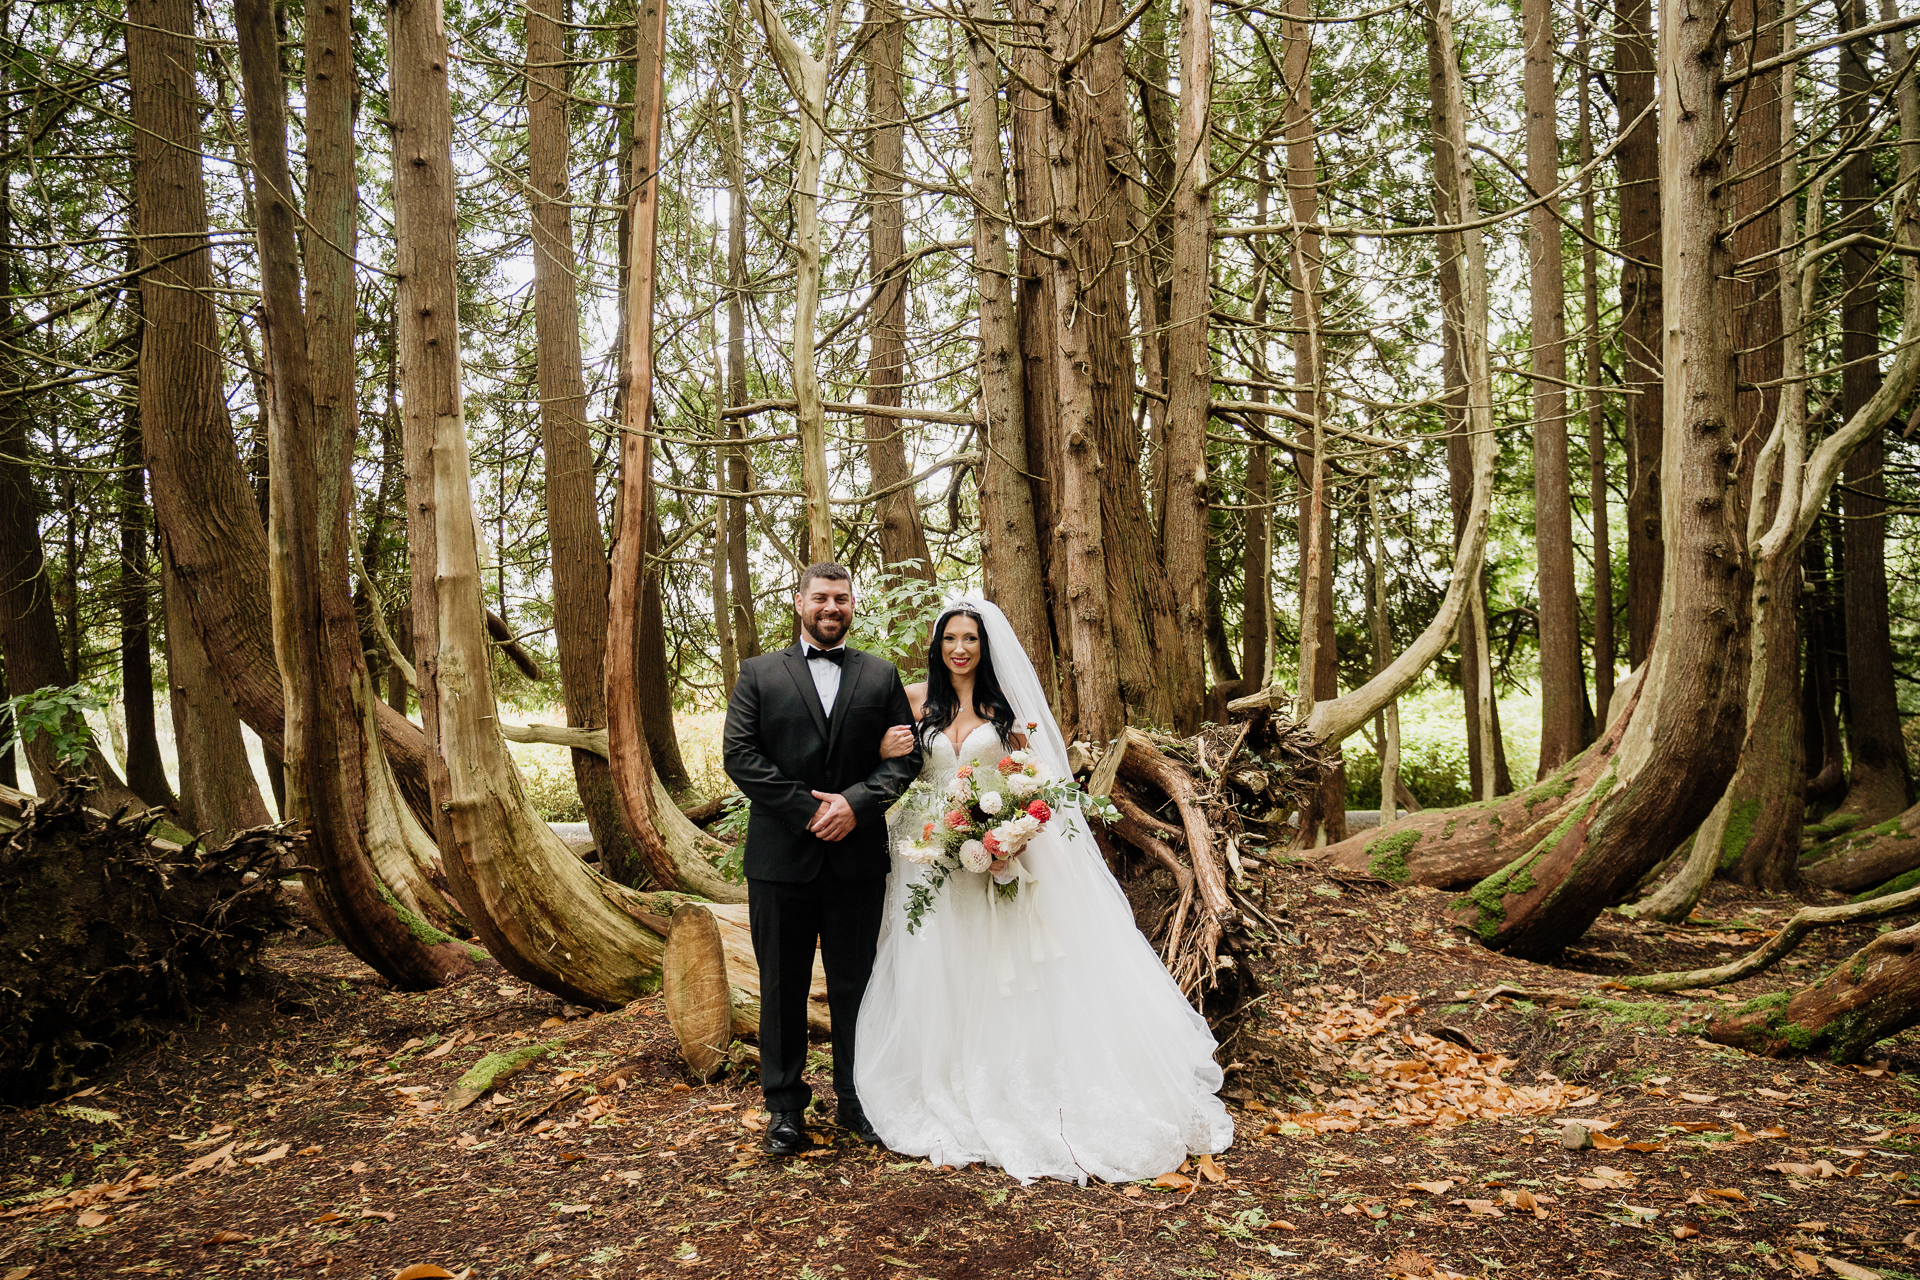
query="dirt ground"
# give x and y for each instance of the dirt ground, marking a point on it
(1398, 1114)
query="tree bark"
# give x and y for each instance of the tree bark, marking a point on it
(1010, 555)
(1638, 160)
(746, 628)
(652, 685)
(1183, 531)
(318, 637)
(1865, 999)
(541, 912)
(218, 793)
(145, 774)
(806, 78)
(1881, 784)
(1563, 694)
(1598, 496)
(903, 539)
(1868, 858)
(1674, 752)
(578, 555)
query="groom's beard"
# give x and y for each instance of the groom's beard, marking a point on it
(827, 631)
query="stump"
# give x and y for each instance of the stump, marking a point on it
(107, 933)
(693, 980)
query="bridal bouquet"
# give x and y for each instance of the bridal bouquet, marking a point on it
(986, 813)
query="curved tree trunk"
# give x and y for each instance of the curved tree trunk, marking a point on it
(1672, 754)
(311, 441)
(218, 792)
(145, 774)
(1867, 859)
(579, 559)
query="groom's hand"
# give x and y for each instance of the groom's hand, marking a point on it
(834, 820)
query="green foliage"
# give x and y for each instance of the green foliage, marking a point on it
(60, 717)
(732, 827)
(893, 617)
(550, 788)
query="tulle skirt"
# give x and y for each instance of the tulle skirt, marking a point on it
(1041, 1035)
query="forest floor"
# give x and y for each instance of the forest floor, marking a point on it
(300, 1133)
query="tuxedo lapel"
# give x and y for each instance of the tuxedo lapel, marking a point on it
(850, 673)
(796, 665)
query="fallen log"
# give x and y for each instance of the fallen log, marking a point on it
(1782, 944)
(108, 933)
(1862, 859)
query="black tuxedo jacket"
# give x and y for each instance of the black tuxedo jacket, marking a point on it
(781, 747)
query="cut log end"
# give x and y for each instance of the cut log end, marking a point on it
(693, 981)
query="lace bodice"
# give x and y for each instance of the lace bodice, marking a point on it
(942, 759)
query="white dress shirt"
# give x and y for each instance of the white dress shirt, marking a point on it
(826, 677)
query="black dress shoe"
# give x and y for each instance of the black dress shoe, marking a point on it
(786, 1134)
(853, 1118)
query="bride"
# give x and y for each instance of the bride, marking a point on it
(1039, 1033)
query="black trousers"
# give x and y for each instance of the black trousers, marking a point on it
(843, 917)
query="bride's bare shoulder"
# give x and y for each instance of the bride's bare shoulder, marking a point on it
(917, 697)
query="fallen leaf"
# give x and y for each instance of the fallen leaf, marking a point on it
(1172, 1181)
(308, 1151)
(1210, 1170)
(1523, 1200)
(1775, 1094)
(1852, 1270)
(1727, 1193)
(222, 1156)
(1702, 1098)
(1132, 1193)
(267, 1157)
(330, 1217)
(1696, 1126)
(1805, 1261)
(225, 1237)
(1818, 1169)
(1281, 1224)
(423, 1271)
(1684, 1230)
(1601, 1142)
(381, 1214)
(1815, 1227)
(553, 1022)
(1482, 1208)
(1432, 1188)
(93, 1218)
(18, 1273)
(1605, 1179)
(576, 1208)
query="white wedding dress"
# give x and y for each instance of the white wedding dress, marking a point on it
(1040, 1034)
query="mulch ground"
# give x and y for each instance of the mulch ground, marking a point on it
(1398, 1114)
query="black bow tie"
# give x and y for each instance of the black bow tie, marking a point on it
(838, 657)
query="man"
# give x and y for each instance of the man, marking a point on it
(803, 745)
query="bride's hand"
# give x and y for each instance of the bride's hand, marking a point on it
(897, 743)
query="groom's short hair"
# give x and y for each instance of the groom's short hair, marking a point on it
(825, 569)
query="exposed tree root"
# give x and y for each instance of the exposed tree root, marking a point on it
(107, 932)
(1782, 944)
(1866, 857)
(1872, 995)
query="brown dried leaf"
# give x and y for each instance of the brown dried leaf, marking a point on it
(1684, 1230)
(1173, 1181)
(222, 1157)
(1775, 1094)
(1211, 1170)
(1805, 1261)
(1432, 1188)
(1482, 1208)
(268, 1157)
(1702, 1098)
(93, 1218)
(423, 1271)
(225, 1237)
(1851, 1270)
(1727, 1193)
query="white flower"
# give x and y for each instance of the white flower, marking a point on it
(914, 851)
(1022, 756)
(974, 856)
(959, 788)
(1010, 838)
(1026, 824)
(1021, 785)
(992, 802)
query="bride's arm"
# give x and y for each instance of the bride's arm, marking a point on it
(899, 739)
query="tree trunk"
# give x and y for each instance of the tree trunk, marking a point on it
(328, 692)
(218, 793)
(746, 627)
(213, 535)
(1820, 619)
(1597, 493)
(903, 540)
(578, 556)
(1641, 304)
(652, 684)
(1881, 784)
(1011, 560)
(806, 78)
(145, 774)
(1862, 859)
(1672, 754)
(1183, 530)
(1865, 999)
(1563, 694)
(541, 912)
(1256, 592)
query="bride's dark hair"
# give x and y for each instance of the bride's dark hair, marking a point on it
(943, 702)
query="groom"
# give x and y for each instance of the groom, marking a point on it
(803, 745)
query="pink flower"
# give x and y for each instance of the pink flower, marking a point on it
(1007, 766)
(1039, 811)
(957, 819)
(965, 771)
(926, 832)
(993, 845)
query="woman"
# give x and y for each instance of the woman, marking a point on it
(1040, 1034)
